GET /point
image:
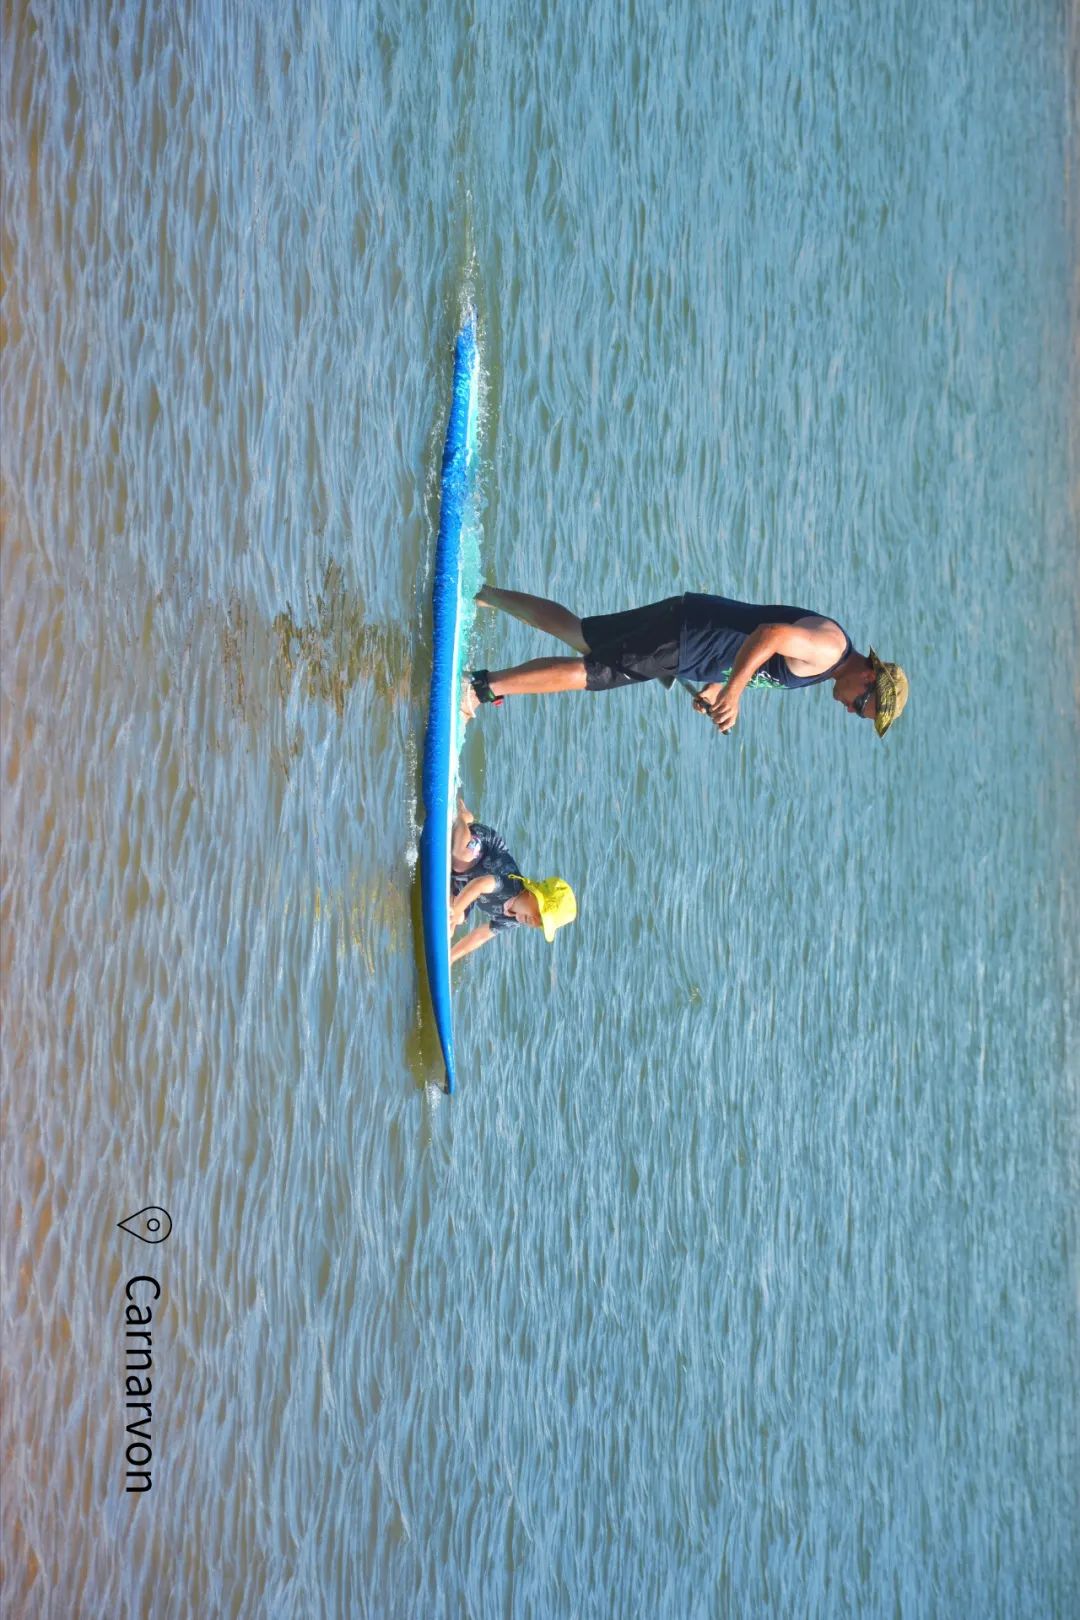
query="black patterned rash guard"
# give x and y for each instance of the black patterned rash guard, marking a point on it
(496, 861)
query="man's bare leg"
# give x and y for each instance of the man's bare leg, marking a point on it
(550, 617)
(537, 676)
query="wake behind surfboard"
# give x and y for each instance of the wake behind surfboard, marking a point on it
(456, 580)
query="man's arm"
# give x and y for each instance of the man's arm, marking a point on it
(810, 647)
(471, 942)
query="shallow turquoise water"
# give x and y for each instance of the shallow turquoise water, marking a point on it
(740, 1277)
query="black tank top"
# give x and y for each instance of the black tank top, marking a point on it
(715, 627)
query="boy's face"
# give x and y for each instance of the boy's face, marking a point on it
(525, 908)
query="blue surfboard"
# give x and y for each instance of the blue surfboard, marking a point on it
(456, 580)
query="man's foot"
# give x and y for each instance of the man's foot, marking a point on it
(480, 682)
(469, 700)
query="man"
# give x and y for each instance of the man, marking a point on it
(484, 878)
(726, 644)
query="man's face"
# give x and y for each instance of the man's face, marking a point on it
(855, 689)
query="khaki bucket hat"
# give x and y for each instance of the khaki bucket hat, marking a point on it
(891, 688)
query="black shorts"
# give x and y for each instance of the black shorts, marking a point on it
(639, 645)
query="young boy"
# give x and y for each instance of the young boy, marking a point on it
(484, 877)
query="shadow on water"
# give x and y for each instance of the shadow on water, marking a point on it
(329, 653)
(339, 647)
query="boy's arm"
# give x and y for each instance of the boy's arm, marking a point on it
(471, 942)
(473, 890)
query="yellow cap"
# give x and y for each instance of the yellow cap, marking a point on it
(556, 901)
(891, 689)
